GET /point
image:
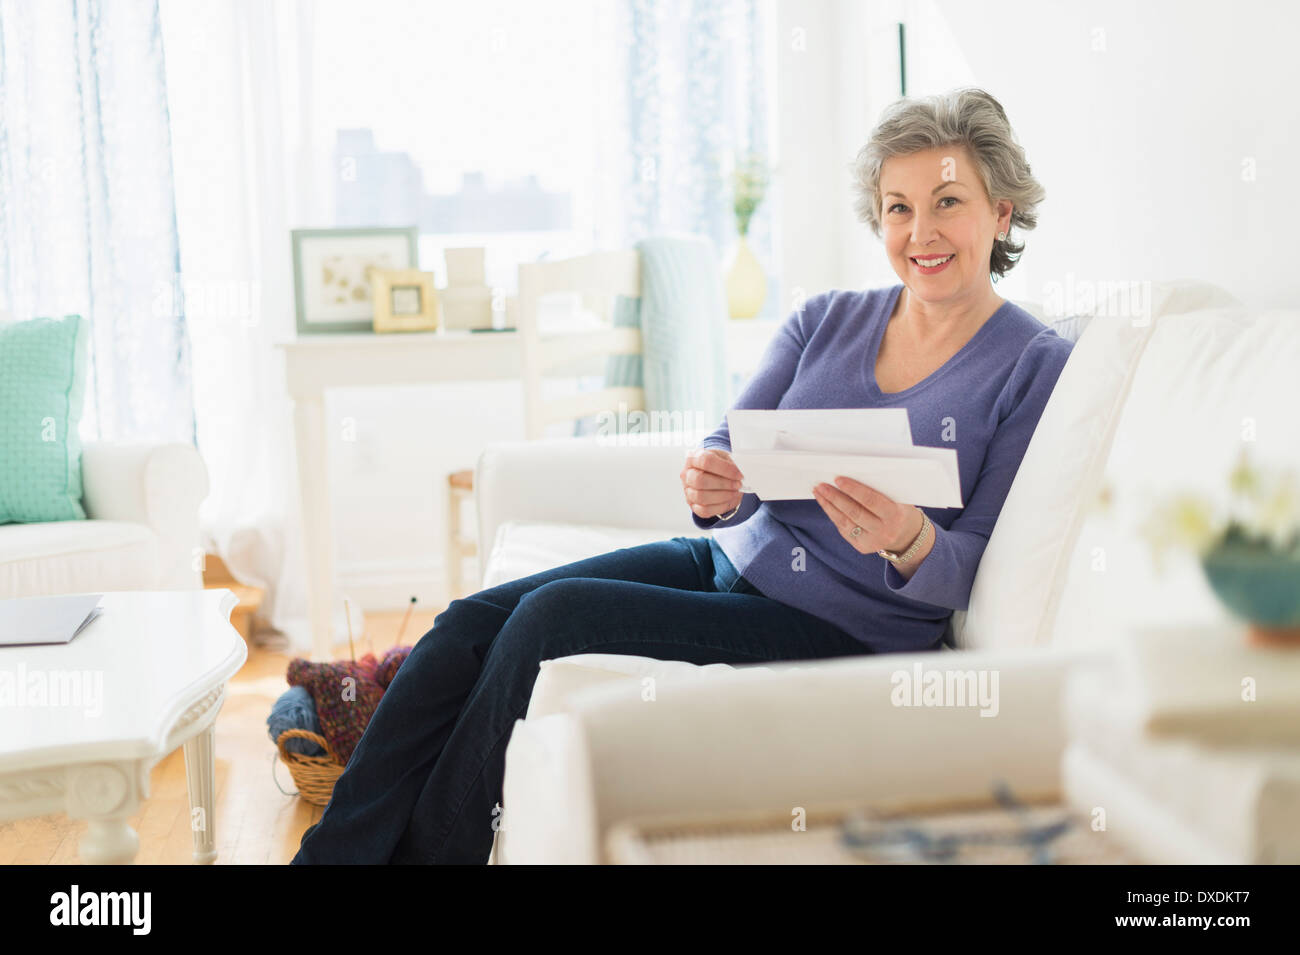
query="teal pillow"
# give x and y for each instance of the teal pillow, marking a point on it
(42, 387)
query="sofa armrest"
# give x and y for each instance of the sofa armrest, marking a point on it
(549, 816)
(823, 733)
(616, 482)
(158, 485)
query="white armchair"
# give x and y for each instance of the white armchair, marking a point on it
(141, 532)
(592, 753)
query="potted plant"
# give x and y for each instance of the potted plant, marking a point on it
(746, 282)
(1249, 550)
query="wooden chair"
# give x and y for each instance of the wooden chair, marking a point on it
(460, 488)
(597, 279)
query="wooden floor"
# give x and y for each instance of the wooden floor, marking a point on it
(256, 822)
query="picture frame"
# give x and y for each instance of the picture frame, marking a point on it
(405, 300)
(465, 266)
(332, 291)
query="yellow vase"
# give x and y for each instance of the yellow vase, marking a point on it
(746, 283)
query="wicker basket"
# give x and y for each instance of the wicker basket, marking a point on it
(314, 775)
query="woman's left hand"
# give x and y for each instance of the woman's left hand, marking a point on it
(886, 524)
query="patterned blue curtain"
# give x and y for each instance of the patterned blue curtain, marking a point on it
(87, 209)
(697, 105)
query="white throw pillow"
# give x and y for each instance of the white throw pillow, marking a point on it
(1142, 301)
(1025, 563)
(1211, 385)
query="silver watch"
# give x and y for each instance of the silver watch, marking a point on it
(906, 555)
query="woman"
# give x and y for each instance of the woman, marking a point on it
(941, 181)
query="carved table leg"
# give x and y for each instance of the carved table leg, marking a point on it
(200, 780)
(109, 841)
(105, 795)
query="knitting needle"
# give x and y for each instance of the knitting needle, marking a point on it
(347, 612)
(370, 639)
(402, 628)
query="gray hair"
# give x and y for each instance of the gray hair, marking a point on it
(965, 117)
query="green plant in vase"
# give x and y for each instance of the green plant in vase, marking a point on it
(746, 281)
(1249, 551)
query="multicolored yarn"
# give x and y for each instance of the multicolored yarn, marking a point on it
(346, 693)
(394, 657)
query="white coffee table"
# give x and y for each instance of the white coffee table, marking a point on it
(160, 661)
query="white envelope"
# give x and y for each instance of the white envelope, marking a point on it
(925, 480)
(759, 430)
(783, 453)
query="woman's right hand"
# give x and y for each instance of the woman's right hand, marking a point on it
(711, 482)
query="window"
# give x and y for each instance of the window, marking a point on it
(479, 122)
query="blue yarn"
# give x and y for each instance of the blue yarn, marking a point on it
(295, 710)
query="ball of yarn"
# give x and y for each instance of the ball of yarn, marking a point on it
(346, 696)
(394, 657)
(295, 710)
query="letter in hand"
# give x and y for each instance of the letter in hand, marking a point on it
(711, 482)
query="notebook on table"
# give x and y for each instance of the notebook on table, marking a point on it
(27, 621)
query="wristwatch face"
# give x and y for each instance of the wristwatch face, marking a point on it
(891, 556)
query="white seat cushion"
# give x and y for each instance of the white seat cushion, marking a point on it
(60, 557)
(558, 679)
(524, 548)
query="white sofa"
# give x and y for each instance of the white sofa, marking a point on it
(1146, 403)
(141, 532)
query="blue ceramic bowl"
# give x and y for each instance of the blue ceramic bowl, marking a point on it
(1257, 585)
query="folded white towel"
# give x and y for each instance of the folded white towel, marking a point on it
(1144, 827)
(1242, 801)
(1209, 685)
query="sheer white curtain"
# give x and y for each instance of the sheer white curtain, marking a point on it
(228, 94)
(87, 224)
(696, 74)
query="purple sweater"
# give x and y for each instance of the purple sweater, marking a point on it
(985, 402)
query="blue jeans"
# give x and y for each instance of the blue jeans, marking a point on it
(424, 783)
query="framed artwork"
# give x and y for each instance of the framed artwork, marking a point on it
(331, 274)
(405, 300)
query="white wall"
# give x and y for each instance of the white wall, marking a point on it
(837, 67)
(1139, 120)
(389, 484)
(807, 145)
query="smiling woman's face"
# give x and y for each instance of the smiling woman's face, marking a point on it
(933, 206)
